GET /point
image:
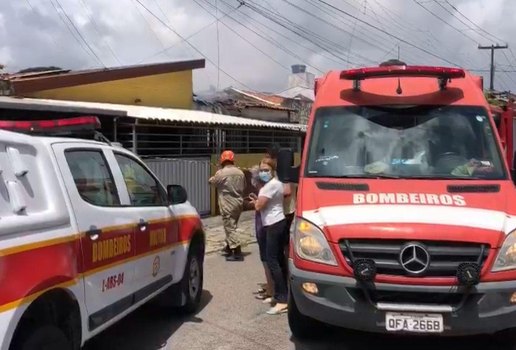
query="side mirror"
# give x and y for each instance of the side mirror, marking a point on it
(176, 194)
(286, 170)
(513, 170)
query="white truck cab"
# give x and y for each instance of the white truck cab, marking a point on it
(87, 235)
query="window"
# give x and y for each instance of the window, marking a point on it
(144, 190)
(92, 177)
(404, 141)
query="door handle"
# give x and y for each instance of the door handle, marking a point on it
(94, 233)
(142, 225)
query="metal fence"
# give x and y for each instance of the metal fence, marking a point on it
(192, 174)
(149, 140)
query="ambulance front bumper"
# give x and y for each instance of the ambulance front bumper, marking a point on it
(341, 302)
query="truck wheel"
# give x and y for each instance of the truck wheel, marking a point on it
(192, 282)
(302, 327)
(42, 338)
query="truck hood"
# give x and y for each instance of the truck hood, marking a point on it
(409, 209)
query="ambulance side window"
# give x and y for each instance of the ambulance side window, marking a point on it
(144, 190)
(93, 177)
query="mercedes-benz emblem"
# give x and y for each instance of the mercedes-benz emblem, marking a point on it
(414, 258)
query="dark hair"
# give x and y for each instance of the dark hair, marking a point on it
(273, 150)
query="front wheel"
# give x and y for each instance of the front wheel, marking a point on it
(192, 282)
(42, 338)
(302, 327)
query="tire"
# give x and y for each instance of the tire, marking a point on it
(505, 340)
(192, 282)
(301, 326)
(42, 338)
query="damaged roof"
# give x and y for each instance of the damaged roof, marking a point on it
(22, 83)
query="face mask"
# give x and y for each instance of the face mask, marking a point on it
(265, 176)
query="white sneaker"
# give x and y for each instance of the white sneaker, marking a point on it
(278, 309)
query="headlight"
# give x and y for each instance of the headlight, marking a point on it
(311, 244)
(506, 259)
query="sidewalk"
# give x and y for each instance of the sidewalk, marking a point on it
(215, 237)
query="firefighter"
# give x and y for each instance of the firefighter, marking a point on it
(230, 183)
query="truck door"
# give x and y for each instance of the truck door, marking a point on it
(107, 230)
(158, 230)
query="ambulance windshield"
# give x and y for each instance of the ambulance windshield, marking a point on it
(404, 142)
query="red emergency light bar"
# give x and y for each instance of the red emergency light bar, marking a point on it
(402, 71)
(443, 74)
(42, 126)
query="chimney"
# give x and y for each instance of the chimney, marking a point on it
(300, 77)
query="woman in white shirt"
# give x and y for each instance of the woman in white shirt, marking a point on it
(270, 205)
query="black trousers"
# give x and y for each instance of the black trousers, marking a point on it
(276, 258)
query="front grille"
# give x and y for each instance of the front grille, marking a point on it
(445, 257)
(418, 298)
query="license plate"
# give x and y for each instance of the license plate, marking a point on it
(417, 323)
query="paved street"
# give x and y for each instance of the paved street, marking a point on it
(232, 319)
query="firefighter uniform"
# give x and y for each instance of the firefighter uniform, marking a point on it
(230, 183)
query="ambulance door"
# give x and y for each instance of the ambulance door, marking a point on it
(157, 233)
(107, 230)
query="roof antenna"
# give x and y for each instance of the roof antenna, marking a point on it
(399, 91)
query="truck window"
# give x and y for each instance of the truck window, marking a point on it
(404, 141)
(143, 188)
(92, 177)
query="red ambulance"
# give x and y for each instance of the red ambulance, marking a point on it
(406, 213)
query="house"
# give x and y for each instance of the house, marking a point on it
(167, 85)
(290, 106)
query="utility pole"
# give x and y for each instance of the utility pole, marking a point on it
(492, 48)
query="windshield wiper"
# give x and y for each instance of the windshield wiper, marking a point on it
(446, 177)
(361, 176)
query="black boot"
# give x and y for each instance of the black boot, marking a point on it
(226, 251)
(236, 255)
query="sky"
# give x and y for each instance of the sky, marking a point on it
(251, 44)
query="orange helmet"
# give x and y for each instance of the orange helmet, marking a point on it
(227, 156)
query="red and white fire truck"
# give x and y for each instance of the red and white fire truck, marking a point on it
(406, 212)
(87, 235)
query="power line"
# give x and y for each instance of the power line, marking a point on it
(381, 44)
(511, 66)
(470, 21)
(250, 19)
(186, 38)
(348, 50)
(149, 25)
(301, 32)
(79, 33)
(190, 44)
(218, 44)
(88, 48)
(428, 37)
(97, 29)
(247, 41)
(341, 18)
(389, 34)
(485, 70)
(445, 22)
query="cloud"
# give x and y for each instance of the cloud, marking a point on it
(37, 33)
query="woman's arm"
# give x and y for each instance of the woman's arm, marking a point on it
(287, 190)
(260, 203)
